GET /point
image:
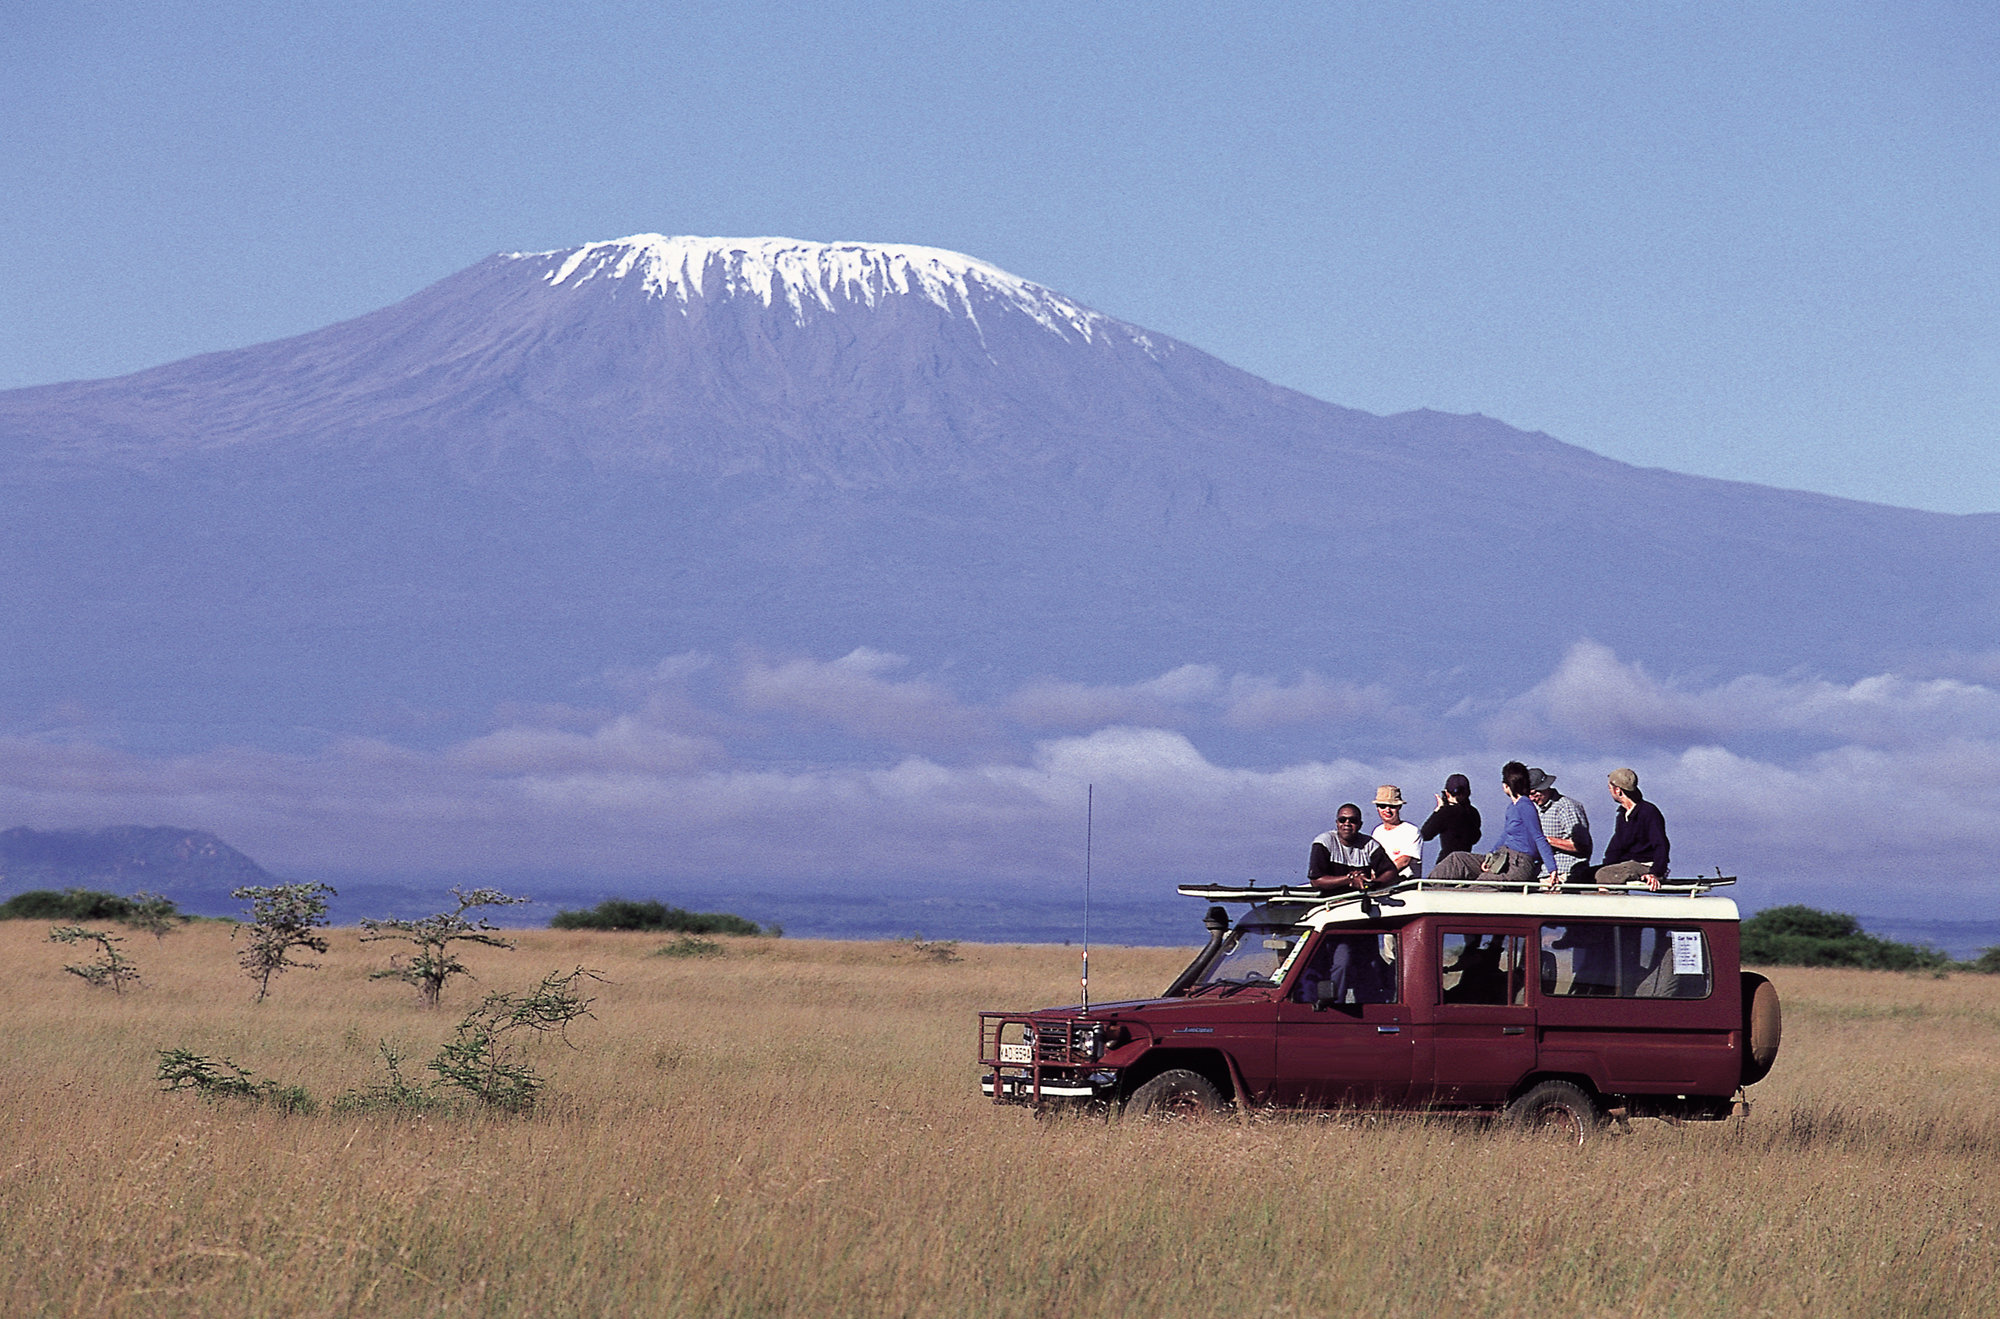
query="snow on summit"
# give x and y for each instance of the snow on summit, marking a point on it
(827, 274)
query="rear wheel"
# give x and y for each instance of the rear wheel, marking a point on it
(1174, 1095)
(1557, 1109)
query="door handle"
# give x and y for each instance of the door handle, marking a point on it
(1387, 1030)
(1513, 1030)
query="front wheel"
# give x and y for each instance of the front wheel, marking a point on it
(1174, 1095)
(1559, 1109)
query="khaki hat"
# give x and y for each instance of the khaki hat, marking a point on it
(1625, 780)
(1388, 795)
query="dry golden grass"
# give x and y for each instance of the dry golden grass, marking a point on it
(795, 1128)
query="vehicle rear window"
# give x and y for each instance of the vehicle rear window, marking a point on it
(1603, 959)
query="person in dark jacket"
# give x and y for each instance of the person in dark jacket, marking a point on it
(1455, 822)
(1522, 851)
(1638, 848)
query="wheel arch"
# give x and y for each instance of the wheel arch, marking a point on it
(1210, 1063)
(1578, 1079)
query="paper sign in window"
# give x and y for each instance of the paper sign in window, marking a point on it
(1687, 952)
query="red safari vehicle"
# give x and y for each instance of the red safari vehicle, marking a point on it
(1551, 1008)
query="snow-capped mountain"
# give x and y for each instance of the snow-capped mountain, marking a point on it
(553, 464)
(816, 277)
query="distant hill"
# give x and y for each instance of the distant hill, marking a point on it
(124, 859)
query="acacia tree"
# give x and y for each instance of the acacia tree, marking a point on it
(155, 913)
(111, 968)
(282, 918)
(433, 962)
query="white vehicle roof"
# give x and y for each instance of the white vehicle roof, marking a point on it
(1297, 904)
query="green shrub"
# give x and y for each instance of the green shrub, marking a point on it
(1987, 962)
(690, 945)
(625, 914)
(395, 1094)
(1797, 935)
(75, 904)
(481, 1059)
(930, 950)
(219, 1078)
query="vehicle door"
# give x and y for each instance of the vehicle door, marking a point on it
(1484, 1029)
(1343, 1023)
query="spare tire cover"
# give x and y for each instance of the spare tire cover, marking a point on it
(1763, 1027)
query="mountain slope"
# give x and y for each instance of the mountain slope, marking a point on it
(124, 859)
(554, 463)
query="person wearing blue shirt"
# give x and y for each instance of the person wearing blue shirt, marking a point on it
(1520, 854)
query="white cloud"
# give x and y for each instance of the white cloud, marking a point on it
(1895, 806)
(1264, 703)
(624, 742)
(1167, 700)
(1595, 699)
(855, 693)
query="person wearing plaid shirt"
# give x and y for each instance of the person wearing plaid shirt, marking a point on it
(1565, 823)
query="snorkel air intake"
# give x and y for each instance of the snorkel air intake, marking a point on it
(1217, 925)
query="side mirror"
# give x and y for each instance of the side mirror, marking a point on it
(1325, 996)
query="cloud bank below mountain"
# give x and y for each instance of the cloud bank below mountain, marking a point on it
(683, 772)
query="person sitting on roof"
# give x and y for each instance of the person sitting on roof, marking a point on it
(1522, 850)
(1455, 822)
(1399, 838)
(1638, 847)
(1344, 858)
(1564, 824)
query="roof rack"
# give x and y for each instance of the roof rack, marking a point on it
(1306, 895)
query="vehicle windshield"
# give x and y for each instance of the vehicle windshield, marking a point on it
(1251, 955)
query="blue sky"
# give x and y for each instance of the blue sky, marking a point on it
(1753, 241)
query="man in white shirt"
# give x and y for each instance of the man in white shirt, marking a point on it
(1399, 838)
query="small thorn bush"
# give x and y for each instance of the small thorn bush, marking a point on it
(111, 967)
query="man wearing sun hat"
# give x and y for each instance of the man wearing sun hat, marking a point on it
(1565, 823)
(1399, 838)
(1638, 849)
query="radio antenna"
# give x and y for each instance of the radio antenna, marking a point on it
(1089, 829)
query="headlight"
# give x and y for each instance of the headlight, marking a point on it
(1091, 1039)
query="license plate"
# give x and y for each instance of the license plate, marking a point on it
(1017, 1053)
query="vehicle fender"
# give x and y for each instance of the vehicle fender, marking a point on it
(1580, 1066)
(1541, 1074)
(1214, 1064)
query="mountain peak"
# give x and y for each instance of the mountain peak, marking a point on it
(826, 276)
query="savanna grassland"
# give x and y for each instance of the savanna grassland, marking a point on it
(794, 1128)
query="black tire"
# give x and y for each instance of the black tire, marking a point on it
(1175, 1095)
(1557, 1108)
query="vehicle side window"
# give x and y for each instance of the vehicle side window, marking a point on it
(1482, 968)
(1350, 969)
(1599, 959)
